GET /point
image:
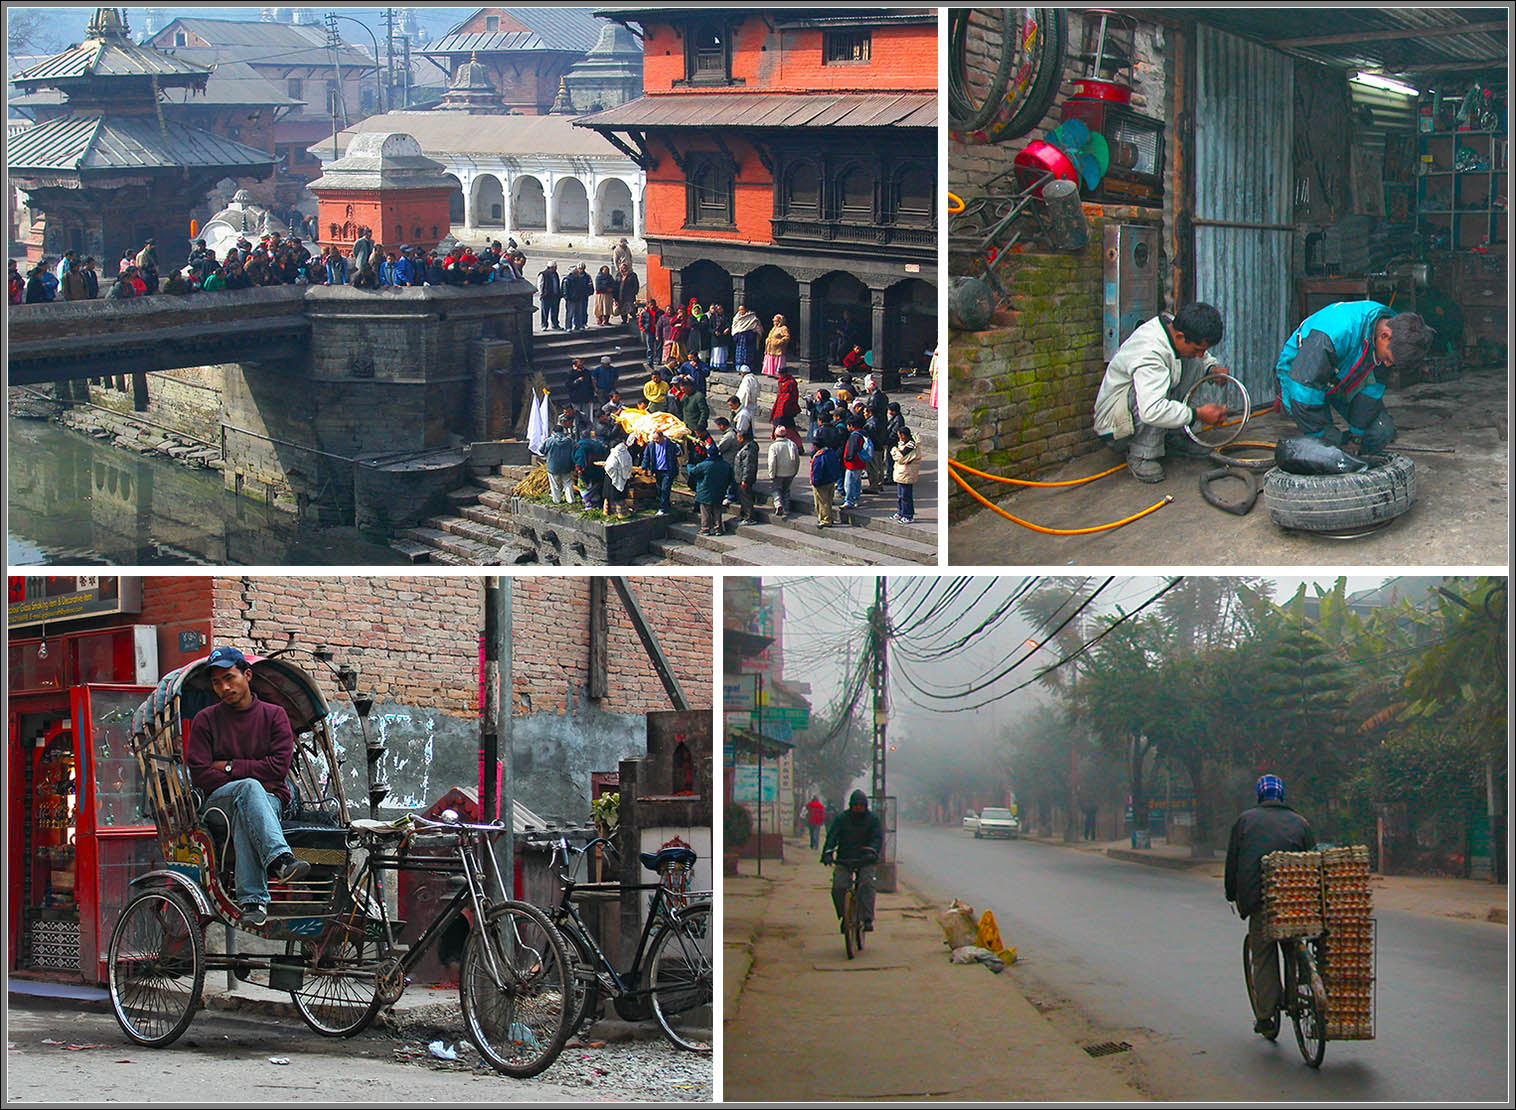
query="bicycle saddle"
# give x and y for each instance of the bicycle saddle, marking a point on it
(656, 861)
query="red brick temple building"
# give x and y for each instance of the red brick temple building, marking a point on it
(113, 170)
(791, 160)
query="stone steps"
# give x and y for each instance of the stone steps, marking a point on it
(765, 545)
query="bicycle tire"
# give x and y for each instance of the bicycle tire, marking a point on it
(849, 908)
(154, 995)
(968, 111)
(1306, 1011)
(586, 981)
(681, 979)
(1272, 1033)
(1019, 114)
(336, 1004)
(520, 1023)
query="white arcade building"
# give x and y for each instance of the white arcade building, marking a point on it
(532, 178)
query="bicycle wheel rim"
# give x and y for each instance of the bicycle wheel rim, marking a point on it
(338, 995)
(1310, 1029)
(681, 980)
(975, 92)
(586, 982)
(1033, 84)
(517, 1015)
(156, 965)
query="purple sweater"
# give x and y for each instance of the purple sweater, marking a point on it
(257, 740)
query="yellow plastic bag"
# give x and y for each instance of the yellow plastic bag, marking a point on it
(989, 938)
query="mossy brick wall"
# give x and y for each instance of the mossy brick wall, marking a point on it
(1023, 391)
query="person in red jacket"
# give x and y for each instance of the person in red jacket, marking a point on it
(787, 403)
(239, 753)
(815, 818)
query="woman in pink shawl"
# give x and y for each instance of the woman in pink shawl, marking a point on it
(774, 348)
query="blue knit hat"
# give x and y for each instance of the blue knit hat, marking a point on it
(1271, 787)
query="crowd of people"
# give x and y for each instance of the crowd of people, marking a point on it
(857, 438)
(274, 260)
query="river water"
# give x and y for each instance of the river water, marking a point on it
(77, 500)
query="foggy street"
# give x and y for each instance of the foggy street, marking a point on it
(1153, 957)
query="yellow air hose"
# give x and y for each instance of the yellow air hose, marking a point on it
(1028, 482)
(987, 503)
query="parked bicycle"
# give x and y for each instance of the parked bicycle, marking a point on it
(343, 961)
(671, 977)
(1303, 994)
(853, 924)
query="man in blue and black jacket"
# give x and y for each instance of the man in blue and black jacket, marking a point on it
(1328, 363)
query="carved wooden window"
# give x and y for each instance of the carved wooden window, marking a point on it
(709, 181)
(914, 197)
(855, 195)
(802, 195)
(844, 47)
(707, 54)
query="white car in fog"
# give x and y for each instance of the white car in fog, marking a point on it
(997, 822)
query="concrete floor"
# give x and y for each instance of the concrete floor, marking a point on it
(1461, 516)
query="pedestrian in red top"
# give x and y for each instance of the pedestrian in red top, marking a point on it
(787, 403)
(815, 818)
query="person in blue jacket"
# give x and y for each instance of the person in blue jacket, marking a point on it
(1328, 364)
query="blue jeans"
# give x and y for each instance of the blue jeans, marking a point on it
(257, 837)
(852, 486)
(905, 495)
(665, 488)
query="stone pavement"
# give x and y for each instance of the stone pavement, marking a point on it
(801, 1022)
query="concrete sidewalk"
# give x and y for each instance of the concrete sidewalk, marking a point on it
(802, 1022)
(1469, 899)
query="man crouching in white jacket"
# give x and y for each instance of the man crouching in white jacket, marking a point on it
(1139, 402)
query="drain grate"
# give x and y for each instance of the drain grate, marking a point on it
(1105, 1048)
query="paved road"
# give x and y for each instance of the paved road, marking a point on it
(1157, 954)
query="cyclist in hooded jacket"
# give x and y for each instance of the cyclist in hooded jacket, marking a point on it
(852, 832)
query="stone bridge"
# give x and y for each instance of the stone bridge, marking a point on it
(350, 405)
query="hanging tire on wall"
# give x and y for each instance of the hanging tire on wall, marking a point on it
(971, 304)
(1341, 502)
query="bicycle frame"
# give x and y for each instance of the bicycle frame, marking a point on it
(566, 916)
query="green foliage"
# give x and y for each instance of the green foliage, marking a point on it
(606, 810)
(737, 826)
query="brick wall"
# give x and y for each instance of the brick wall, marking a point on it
(414, 640)
(1023, 391)
(180, 604)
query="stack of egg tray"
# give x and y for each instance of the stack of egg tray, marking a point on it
(1292, 894)
(1348, 965)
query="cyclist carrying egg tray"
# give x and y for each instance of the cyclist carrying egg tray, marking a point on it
(853, 833)
(1270, 826)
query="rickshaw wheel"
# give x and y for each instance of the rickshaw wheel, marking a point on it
(157, 967)
(335, 997)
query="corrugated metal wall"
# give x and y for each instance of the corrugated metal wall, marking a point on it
(1244, 133)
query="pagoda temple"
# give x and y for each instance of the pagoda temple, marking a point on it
(112, 172)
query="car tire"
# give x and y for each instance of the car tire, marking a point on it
(1341, 502)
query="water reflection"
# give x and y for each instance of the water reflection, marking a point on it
(73, 499)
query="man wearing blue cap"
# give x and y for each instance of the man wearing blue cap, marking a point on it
(1270, 826)
(239, 753)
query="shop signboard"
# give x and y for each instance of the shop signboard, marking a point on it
(55, 599)
(746, 785)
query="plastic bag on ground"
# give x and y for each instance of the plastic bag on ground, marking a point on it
(972, 953)
(958, 925)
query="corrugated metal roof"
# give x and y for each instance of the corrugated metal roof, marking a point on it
(490, 43)
(559, 26)
(230, 84)
(243, 32)
(110, 57)
(1422, 39)
(754, 109)
(84, 143)
(441, 133)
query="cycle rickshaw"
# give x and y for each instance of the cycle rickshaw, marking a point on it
(343, 960)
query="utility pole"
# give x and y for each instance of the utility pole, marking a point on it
(497, 788)
(389, 58)
(885, 880)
